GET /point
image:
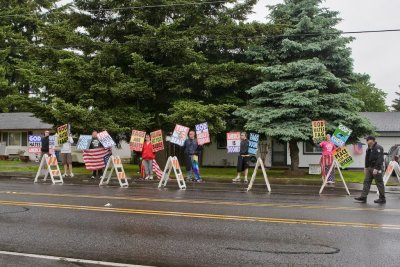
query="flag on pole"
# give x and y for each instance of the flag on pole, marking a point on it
(95, 158)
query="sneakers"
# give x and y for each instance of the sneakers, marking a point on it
(147, 177)
(361, 199)
(65, 175)
(151, 177)
(188, 179)
(380, 201)
(245, 180)
(237, 179)
(92, 177)
(71, 175)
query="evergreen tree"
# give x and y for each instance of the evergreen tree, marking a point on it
(396, 103)
(307, 79)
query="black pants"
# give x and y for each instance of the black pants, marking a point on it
(97, 173)
(369, 176)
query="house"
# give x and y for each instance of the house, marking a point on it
(14, 131)
(276, 154)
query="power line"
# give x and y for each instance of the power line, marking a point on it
(124, 8)
(206, 39)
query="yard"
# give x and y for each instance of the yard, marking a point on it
(209, 174)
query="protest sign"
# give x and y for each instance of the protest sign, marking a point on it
(233, 142)
(34, 144)
(52, 144)
(105, 139)
(203, 136)
(253, 143)
(137, 140)
(340, 136)
(63, 132)
(179, 135)
(84, 142)
(343, 157)
(157, 140)
(319, 130)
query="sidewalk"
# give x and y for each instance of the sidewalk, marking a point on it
(310, 185)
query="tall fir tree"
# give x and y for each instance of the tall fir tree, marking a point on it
(307, 78)
(396, 102)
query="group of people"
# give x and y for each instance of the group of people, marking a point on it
(374, 160)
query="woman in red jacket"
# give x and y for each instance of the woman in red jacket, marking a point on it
(148, 157)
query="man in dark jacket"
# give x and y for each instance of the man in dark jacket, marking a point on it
(373, 170)
(190, 148)
(243, 158)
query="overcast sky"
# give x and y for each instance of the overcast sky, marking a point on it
(377, 54)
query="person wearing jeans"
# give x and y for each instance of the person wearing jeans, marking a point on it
(190, 148)
(148, 156)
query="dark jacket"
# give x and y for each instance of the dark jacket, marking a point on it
(244, 147)
(374, 158)
(45, 144)
(95, 143)
(190, 147)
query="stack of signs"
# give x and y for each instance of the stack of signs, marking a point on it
(137, 140)
(340, 136)
(84, 142)
(319, 131)
(343, 157)
(52, 144)
(105, 139)
(157, 140)
(180, 134)
(35, 144)
(253, 143)
(63, 133)
(203, 136)
(233, 142)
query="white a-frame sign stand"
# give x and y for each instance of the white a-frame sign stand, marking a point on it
(335, 164)
(51, 164)
(115, 163)
(259, 164)
(392, 167)
(172, 164)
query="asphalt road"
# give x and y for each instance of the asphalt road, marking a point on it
(61, 225)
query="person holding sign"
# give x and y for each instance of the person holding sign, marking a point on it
(373, 170)
(148, 156)
(243, 158)
(190, 149)
(328, 148)
(66, 156)
(93, 145)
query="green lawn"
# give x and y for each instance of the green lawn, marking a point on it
(214, 174)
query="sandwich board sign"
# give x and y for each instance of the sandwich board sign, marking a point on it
(114, 163)
(335, 164)
(259, 164)
(51, 168)
(172, 164)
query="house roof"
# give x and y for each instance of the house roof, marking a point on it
(384, 121)
(22, 121)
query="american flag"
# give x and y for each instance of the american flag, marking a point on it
(95, 159)
(358, 149)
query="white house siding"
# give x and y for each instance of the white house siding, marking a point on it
(307, 159)
(212, 156)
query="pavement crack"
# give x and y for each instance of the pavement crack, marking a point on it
(327, 251)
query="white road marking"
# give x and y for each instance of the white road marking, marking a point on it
(46, 257)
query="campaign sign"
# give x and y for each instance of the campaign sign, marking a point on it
(157, 140)
(137, 140)
(63, 133)
(233, 142)
(52, 144)
(340, 136)
(343, 157)
(84, 142)
(105, 139)
(179, 135)
(253, 143)
(319, 130)
(203, 136)
(34, 144)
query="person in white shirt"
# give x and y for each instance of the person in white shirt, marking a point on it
(66, 157)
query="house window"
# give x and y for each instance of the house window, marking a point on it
(221, 141)
(310, 148)
(14, 138)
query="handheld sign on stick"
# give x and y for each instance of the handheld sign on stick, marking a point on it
(203, 136)
(319, 130)
(137, 140)
(157, 140)
(233, 142)
(179, 135)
